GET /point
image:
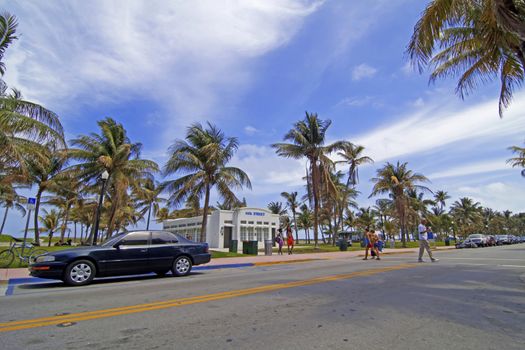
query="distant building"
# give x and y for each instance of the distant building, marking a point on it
(242, 224)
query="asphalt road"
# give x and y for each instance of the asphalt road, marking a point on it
(470, 299)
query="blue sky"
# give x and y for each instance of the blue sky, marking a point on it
(253, 68)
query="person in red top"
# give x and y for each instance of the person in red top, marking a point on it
(289, 240)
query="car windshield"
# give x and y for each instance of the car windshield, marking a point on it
(475, 236)
(111, 241)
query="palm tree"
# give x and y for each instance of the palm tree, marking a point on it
(277, 208)
(112, 151)
(11, 200)
(50, 222)
(440, 197)
(519, 160)
(352, 155)
(8, 24)
(305, 221)
(26, 129)
(148, 196)
(292, 204)
(467, 215)
(396, 180)
(308, 138)
(479, 40)
(202, 159)
(382, 208)
(42, 173)
(65, 191)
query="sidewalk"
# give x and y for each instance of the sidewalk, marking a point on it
(7, 274)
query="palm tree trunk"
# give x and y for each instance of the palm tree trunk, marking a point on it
(37, 208)
(64, 223)
(111, 222)
(149, 215)
(50, 237)
(296, 229)
(3, 221)
(205, 214)
(315, 186)
(75, 234)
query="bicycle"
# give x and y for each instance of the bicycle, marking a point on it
(31, 252)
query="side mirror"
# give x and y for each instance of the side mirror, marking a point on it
(117, 245)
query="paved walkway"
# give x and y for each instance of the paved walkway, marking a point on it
(6, 274)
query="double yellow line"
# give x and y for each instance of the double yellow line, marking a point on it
(126, 310)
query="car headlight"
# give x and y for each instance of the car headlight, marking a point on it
(45, 258)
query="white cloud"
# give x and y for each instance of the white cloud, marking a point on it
(472, 168)
(496, 195)
(268, 172)
(356, 101)
(250, 130)
(363, 71)
(187, 55)
(438, 125)
(418, 103)
(407, 69)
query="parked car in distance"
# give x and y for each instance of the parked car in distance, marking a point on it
(503, 239)
(129, 253)
(466, 244)
(478, 239)
(491, 240)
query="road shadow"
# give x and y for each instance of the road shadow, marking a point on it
(100, 281)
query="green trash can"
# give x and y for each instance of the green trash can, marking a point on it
(249, 247)
(234, 244)
(343, 244)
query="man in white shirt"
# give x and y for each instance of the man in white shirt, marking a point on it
(423, 241)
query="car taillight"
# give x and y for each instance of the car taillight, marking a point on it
(206, 248)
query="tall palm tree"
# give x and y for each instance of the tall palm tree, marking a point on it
(64, 191)
(519, 160)
(353, 156)
(467, 215)
(382, 208)
(112, 151)
(440, 197)
(50, 221)
(307, 139)
(292, 204)
(479, 40)
(396, 180)
(148, 196)
(42, 173)
(202, 160)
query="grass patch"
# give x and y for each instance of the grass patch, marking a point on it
(6, 238)
(217, 254)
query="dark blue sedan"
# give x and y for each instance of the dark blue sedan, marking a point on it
(129, 253)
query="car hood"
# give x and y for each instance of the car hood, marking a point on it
(79, 250)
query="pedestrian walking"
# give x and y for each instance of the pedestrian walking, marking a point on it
(374, 237)
(289, 240)
(279, 240)
(370, 239)
(423, 241)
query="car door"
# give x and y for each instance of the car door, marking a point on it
(130, 255)
(163, 249)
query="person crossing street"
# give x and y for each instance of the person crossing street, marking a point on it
(423, 241)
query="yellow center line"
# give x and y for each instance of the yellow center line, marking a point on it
(118, 311)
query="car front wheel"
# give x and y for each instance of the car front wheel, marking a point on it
(79, 273)
(181, 266)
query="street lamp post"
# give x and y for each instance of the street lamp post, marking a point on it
(104, 177)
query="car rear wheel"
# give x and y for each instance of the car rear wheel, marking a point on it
(79, 273)
(181, 266)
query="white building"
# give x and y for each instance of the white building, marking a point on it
(242, 224)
